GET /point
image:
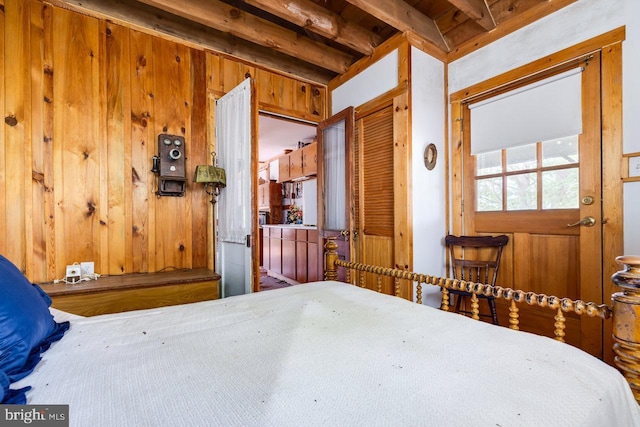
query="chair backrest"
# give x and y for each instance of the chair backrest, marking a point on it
(476, 258)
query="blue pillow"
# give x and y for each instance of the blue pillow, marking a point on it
(27, 329)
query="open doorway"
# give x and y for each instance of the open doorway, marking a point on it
(287, 201)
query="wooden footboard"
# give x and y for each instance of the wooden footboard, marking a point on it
(624, 312)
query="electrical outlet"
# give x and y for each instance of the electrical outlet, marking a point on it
(74, 273)
(86, 269)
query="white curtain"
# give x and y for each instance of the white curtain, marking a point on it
(233, 147)
(333, 148)
(541, 111)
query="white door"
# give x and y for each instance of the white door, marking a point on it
(236, 229)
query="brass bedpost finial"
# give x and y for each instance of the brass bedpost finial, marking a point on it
(330, 258)
(626, 328)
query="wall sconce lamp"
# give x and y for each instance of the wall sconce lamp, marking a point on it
(213, 178)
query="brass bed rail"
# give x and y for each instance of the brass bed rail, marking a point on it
(625, 310)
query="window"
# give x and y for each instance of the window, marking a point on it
(539, 176)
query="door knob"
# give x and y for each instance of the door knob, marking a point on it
(344, 233)
(588, 221)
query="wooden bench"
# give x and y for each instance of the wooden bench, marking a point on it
(135, 291)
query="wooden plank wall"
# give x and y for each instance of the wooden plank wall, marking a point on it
(84, 101)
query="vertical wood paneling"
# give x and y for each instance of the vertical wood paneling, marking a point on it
(286, 93)
(172, 96)
(142, 148)
(36, 250)
(318, 101)
(47, 139)
(76, 145)
(301, 96)
(199, 155)
(118, 185)
(265, 88)
(101, 242)
(85, 100)
(17, 131)
(214, 74)
(275, 93)
(277, 88)
(234, 73)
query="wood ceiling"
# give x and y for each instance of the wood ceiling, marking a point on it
(319, 39)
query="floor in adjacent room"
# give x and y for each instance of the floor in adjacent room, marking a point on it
(267, 282)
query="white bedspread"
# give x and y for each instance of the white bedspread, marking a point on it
(325, 354)
(62, 316)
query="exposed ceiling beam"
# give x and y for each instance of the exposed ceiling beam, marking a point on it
(146, 18)
(223, 17)
(320, 20)
(476, 10)
(403, 17)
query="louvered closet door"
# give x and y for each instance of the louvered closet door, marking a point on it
(373, 202)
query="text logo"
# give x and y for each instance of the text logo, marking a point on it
(34, 415)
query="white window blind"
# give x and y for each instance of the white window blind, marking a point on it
(545, 110)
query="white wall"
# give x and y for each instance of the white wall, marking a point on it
(571, 25)
(427, 124)
(375, 80)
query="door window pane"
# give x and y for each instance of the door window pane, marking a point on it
(489, 163)
(489, 193)
(522, 191)
(334, 177)
(521, 158)
(560, 151)
(537, 176)
(560, 189)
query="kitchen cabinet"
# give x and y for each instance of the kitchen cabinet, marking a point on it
(295, 164)
(275, 250)
(293, 254)
(270, 200)
(289, 252)
(283, 168)
(263, 195)
(310, 159)
(298, 163)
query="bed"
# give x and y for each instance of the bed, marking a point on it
(323, 353)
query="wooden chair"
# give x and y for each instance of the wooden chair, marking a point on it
(475, 259)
